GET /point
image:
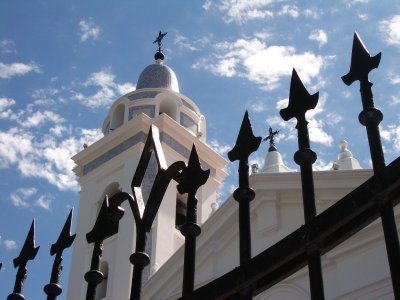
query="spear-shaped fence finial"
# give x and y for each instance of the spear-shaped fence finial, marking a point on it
(28, 252)
(370, 117)
(103, 228)
(361, 62)
(300, 101)
(192, 178)
(65, 240)
(246, 144)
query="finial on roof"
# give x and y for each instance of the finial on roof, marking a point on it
(159, 55)
(270, 137)
(345, 161)
(273, 162)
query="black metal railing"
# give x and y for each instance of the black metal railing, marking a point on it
(320, 233)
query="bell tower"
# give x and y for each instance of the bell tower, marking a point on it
(107, 167)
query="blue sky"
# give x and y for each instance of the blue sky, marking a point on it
(62, 63)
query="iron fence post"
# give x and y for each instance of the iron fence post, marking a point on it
(246, 144)
(94, 277)
(191, 179)
(28, 252)
(300, 101)
(140, 260)
(370, 117)
(65, 240)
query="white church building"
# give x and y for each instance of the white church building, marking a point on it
(356, 269)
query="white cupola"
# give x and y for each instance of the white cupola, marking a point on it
(157, 92)
(345, 161)
(273, 160)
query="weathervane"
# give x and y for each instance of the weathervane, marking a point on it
(159, 39)
(270, 137)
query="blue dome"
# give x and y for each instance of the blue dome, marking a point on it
(158, 76)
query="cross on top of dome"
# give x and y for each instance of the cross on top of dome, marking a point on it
(271, 137)
(158, 41)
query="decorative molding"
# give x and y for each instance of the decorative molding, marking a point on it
(142, 95)
(188, 105)
(97, 162)
(134, 111)
(182, 150)
(132, 141)
(188, 123)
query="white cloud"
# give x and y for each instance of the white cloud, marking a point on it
(313, 13)
(5, 103)
(14, 144)
(40, 117)
(45, 156)
(192, 43)
(28, 118)
(241, 11)
(7, 47)
(225, 67)
(221, 149)
(47, 96)
(290, 10)
(346, 94)
(10, 244)
(394, 78)
(394, 100)
(207, 4)
(391, 134)
(265, 65)
(21, 196)
(43, 202)
(53, 161)
(390, 28)
(108, 89)
(263, 35)
(352, 2)
(5, 111)
(183, 42)
(58, 130)
(333, 118)
(257, 106)
(16, 69)
(317, 133)
(319, 36)
(282, 103)
(224, 191)
(125, 88)
(88, 30)
(321, 165)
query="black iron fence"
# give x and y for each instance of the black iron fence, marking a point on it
(373, 199)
